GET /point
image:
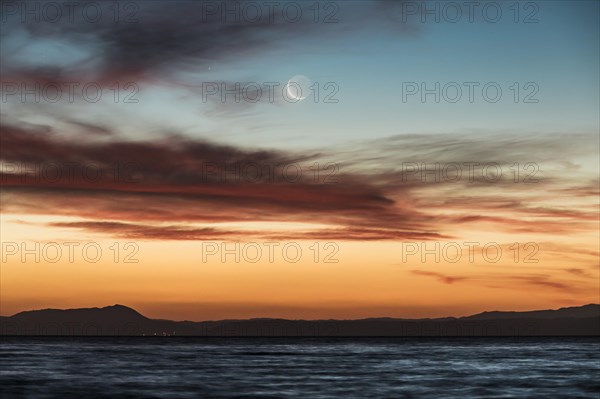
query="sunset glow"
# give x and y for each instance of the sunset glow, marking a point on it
(372, 194)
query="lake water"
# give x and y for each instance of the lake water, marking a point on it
(299, 368)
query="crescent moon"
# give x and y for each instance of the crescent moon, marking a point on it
(297, 88)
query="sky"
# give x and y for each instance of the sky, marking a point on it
(210, 160)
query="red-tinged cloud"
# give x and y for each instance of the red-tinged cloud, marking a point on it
(543, 281)
(578, 272)
(441, 277)
(182, 233)
(147, 185)
(516, 281)
(179, 180)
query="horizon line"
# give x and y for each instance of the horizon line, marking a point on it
(329, 319)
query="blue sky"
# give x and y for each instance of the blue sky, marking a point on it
(368, 60)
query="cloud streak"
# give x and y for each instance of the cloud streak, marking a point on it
(178, 180)
(150, 40)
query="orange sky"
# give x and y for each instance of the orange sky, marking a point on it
(369, 240)
(172, 280)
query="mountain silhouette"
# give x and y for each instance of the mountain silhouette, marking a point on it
(119, 320)
(590, 310)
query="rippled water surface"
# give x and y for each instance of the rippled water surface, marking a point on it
(299, 367)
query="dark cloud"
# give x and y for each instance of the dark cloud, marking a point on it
(180, 233)
(178, 180)
(441, 277)
(515, 281)
(151, 38)
(90, 128)
(543, 281)
(578, 272)
(149, 232)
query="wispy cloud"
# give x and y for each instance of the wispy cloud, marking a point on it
(439, 276)
(181, 180)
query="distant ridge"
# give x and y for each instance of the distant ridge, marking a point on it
(120, 320)
(590, 310)
(111, 313)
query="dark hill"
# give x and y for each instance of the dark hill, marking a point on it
(590, 310)
(119, 320)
